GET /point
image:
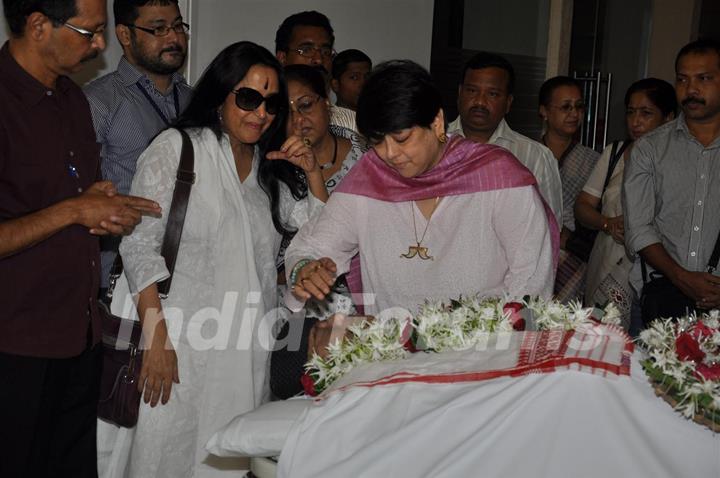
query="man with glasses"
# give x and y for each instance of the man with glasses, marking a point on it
(306, 38)
(485, 95)
(51, 209)
(146, 93)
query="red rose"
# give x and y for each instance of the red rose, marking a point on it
(701, 330)
(308, 385)
(687, 348)
(514, 308)
(709, 372)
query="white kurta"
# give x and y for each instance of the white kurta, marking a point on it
(492, 242)
(224, 283)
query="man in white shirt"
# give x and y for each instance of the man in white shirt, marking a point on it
(485, 95)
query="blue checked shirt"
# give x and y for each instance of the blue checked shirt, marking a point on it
(125, 123)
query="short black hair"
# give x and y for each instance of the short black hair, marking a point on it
(660, 92)
(398, 94)
(703, 45)
(309, 76)
(485, 59)
(344, 58)
(17, 12)
(547, 88)
(126, 11)
(309, 18)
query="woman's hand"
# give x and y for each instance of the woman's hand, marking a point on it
(315, 279)
(299, 152)
(616, 229)
(159, 367)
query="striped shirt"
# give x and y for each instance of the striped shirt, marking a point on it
(533, 155)
(671, 196)
(125, 122)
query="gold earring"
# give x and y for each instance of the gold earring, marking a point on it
(442, 138)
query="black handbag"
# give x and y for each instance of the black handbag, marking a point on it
(661, 298)
(119, 400)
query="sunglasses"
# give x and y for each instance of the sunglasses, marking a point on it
(248, 99)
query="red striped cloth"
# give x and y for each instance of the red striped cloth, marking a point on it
(597, 349)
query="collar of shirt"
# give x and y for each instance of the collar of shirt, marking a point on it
(25, 86)
(681, 126)
(502, 131)
(129, 75)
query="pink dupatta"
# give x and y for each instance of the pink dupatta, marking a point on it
(466, 167)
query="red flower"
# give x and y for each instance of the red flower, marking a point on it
(514, 308)
(308, 385)
(710, 372)
(409, 346)
(687, 348)
(701, 330)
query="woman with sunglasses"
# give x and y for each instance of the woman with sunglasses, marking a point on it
(649, 103)
(562, 107)
(337, 149)
(429, 216)
(205, 360)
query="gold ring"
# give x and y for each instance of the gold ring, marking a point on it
(307, 142)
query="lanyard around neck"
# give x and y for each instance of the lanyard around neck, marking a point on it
(157, 109)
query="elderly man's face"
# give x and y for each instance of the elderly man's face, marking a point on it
(483, 100)
(64, 49)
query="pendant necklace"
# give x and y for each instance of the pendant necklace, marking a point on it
(418, 249)
(331, 163)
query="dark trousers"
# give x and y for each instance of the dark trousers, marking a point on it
(48, 415)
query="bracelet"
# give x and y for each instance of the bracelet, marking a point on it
(605, 227)
(295, 270)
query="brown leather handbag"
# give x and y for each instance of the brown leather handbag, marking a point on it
(119, 401)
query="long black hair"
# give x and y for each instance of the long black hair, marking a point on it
(226, 70)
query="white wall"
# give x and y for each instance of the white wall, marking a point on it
(384, 29)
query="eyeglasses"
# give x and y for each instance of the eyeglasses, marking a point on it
(569, 107)
(305, 104)
(89, 36)
(308, 51)
(164, 30)
(248, 99)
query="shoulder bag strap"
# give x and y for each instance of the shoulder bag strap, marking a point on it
(178, 207)
(184, 180)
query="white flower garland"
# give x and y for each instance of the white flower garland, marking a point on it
(684, 359)
(458, 325)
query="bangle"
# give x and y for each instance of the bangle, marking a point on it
(295, 270)
(605, 227)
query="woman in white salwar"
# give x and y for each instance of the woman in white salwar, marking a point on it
(206, 357)
(430, 217)
(649, 103)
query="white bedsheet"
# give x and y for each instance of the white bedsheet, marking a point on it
(562, 424)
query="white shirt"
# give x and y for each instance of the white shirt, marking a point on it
(491, 242)
(533, 155)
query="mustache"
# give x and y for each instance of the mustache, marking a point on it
(479, 109)
(697, 101)
(90, 56)
(172, 49)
